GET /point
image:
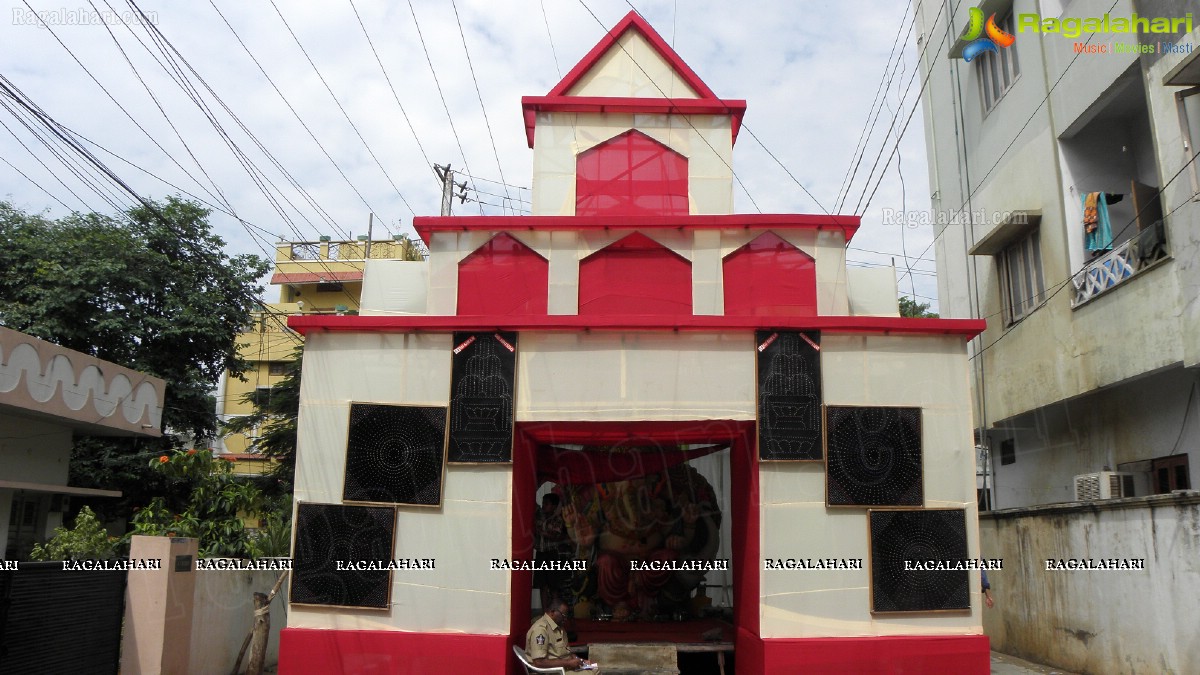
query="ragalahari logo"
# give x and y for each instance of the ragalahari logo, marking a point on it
(996, 39)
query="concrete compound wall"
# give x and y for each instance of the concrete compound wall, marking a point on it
(223, 613)
(1098, 622)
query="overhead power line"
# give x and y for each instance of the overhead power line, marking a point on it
(486, 121)
(387, 78)
(295, 114)
(441, 94)
(343, 110)
(864, 137)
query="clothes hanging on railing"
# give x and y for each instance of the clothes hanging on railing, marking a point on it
(1097, 228)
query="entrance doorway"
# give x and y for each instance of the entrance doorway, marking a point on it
(665, 514)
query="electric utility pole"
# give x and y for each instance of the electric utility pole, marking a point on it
(448, 185)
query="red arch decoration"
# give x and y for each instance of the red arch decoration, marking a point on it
(635, 275)
(631, 174)
(502, 277)
(769, 276)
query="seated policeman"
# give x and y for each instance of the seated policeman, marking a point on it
(546, 642)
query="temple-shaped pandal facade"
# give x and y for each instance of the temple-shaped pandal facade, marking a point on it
(760, 461)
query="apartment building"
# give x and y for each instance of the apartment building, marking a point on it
(1062, 172)
(313, 277)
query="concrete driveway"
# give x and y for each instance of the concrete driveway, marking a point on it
(1003, 664)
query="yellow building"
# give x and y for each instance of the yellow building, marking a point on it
(314, 277)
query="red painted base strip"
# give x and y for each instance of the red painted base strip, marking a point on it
(305, 651)
(959, 654)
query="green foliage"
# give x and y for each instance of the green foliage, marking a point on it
(274, 538)
(209, 501)
(275, 418)
(153, 291)
(915, 310)
(88, 540)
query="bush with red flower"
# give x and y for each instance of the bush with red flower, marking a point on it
(212, 512)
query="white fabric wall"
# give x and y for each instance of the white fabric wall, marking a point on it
(632, 68)
(394, 287)
(635, 376)
(872, 291)
(900, 371)
(473, 524)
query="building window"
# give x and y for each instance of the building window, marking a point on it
(1008, 452)
(997, 70)
(983, 497)
(1170, 473)
(275, 368)
(262, 396)
(1021, 281)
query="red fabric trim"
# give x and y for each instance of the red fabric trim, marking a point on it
(635, 275)
(959, 654)
(524, 493)
(504, 276)
(304, 651)
(748, 650)
(635, 104)
(770, 277)
(868, 325)
(532, 105)
(633, 433)
(577, 467)
(631, 174)
(315, 277)
(427, 225)
(744, 535)
(634, 22)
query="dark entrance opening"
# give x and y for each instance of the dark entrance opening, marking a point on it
(637, 504)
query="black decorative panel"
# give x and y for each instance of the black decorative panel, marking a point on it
(789, 395)
(481, 397)
(334, 545)
(873, 456)
(395, 454)
(906, 549)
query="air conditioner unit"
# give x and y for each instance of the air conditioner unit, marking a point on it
(1103, 485)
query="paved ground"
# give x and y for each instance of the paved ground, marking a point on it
(1003, 664)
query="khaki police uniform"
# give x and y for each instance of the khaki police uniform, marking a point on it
(547, 640)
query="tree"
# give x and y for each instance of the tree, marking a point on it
(912, 309)
(88, 540)
(213, 499)
(151, 290)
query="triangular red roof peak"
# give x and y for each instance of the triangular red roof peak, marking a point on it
(633, 21)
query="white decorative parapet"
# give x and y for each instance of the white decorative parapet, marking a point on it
(82, 390)
(1120, 264)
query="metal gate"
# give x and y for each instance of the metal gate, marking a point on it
(57, 621)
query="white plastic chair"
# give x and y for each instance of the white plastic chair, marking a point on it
(530, 668)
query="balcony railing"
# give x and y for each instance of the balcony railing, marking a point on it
(1121, 264)
(347, 251)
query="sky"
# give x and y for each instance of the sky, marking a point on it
(337, 109)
